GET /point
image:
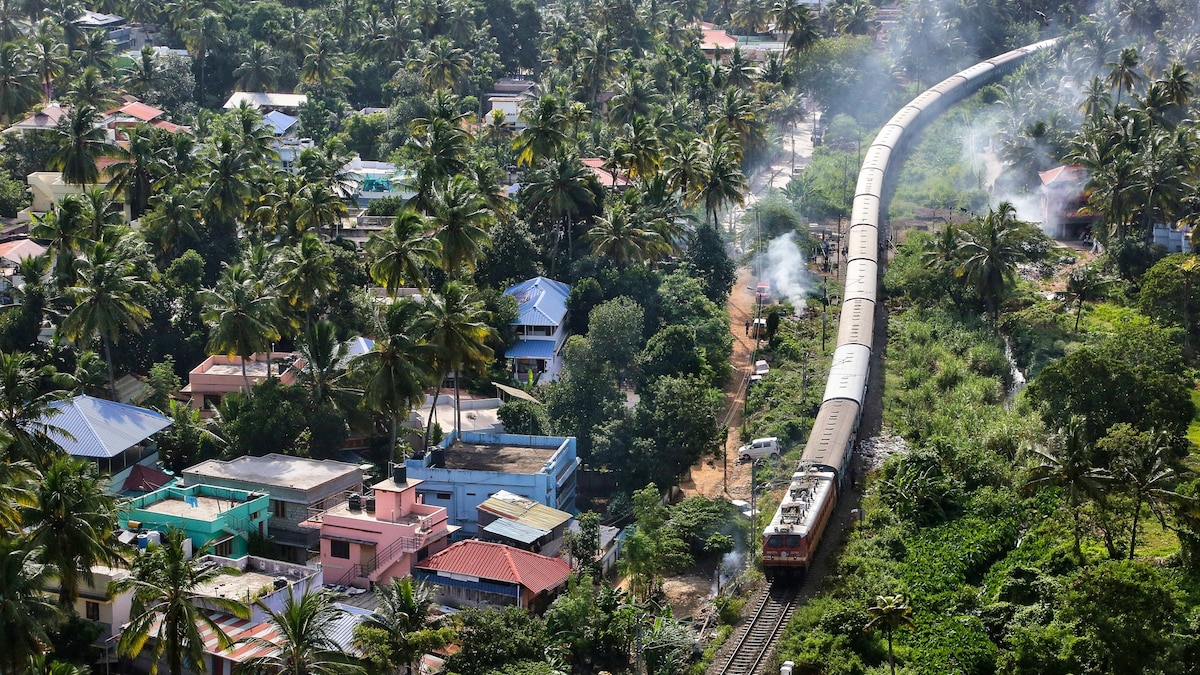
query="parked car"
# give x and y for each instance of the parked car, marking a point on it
(759, 447)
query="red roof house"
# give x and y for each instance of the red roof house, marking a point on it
(473, 573)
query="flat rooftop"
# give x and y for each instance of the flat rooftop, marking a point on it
(276, 470)
(253, 369)
(503, 458)
(206, 508)
(240, 586)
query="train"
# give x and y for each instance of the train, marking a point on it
(790, 540)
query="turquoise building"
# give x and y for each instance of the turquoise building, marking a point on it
(217, 520)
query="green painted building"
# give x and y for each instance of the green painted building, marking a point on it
(218, 520)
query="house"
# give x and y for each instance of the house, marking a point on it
(11, 255)
(608, 179)
(716, 44)
(115, 436)
(120, 120)
(47, 188)
(478, 573)
(376, 180)
(267, 101)
(222, 520)
(461, 473)
(95, 604)
(262, 584)
(1064, 201)
(281, 124)
(296, 486)
(611, 539)
(143, 479)
(378, 535)
(523, 523)
(45, 119)
(219, 375)
(540, 326)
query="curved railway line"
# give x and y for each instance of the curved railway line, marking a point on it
(789, 543)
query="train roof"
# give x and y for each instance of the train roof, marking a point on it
(832, 430)
(858, 330)
(800, 506)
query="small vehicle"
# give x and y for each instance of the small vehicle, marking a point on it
(762, 294)
(761, 367)
(758, 328)
(759, 447)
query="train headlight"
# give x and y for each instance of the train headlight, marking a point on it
(783, 555)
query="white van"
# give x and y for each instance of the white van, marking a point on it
(759, 447)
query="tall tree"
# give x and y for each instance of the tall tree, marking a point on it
(18, 83)
(26, 610)
(243, 315)
(460, 219)
(992, 251)
(165, 582)
(108, 298)
(400, 254)
(84, 142)
(890, 613)
(401, 618)
(71, 521)
(455, 324)
(395, 372)
(305, 644)
(1067, 463)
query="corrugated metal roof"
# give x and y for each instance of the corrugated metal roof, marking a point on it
(20, 249)
(498, 562)
(531, 349)
(540, 301)
(97, 428)
(516, 531)
(524, 510)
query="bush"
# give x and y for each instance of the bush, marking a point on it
(524, 417)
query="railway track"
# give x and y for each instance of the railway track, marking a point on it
(757, 640)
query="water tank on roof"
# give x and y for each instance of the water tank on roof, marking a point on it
(355, 501)
(280, 582)
(154, 537)
(143, 540)
(399, 473)
(369, 504)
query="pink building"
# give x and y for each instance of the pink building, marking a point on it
(219, 375)
(379, 535)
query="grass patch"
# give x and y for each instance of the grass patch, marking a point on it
(1193, 432)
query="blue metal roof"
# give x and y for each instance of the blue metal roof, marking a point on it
(540, 301)
(95, 427)
(511, 529)
(531, 349)
(280, 122)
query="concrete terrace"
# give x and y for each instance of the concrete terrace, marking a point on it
(495, 457)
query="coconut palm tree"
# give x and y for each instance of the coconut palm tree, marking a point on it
(304, 645)
(323, 62)
(132, 175)
(243, 315)
(635, 96)
(144, 75)
(455, 325)
(107, 298)
(1084, 284)
(325, 360)
(173, 219)
(991, 253)
(225, 169)
(306, 275)
(165, 582)
(440, 148)
(400, 254)
(50, 56)
(444, 65)
(65, 229)
(544, 134)
(18, 82)
(402, 615)
(617, 236)
(26, 412)
(259, 70)
(201, 34)
(460, 219)
(26, 610)
(1151, 479)
(84, 142)
(890, 613)
(396, 371)
(1066, 463)
(71, 521)
(1123, 74)
(559, 191)
(721, 180)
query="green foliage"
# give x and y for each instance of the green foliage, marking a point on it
(615, 331)
(524, 417)
(492, 639)
(14, 196)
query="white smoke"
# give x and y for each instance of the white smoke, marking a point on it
(784, 267)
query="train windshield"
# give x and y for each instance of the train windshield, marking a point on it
(793, 541)
(775, 541)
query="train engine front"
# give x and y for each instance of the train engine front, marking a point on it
(791, 539)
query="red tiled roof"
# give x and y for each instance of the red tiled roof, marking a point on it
(602, 174)
(1068, 173)
(496, 562)
(20, 249)
(139, 110)
(236, 629)
(145, 479)
(716, 38)
(170, 126)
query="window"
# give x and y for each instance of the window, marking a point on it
(444, 496)
(92, 610)
(278, 508)
(339, 549)
(224, 548)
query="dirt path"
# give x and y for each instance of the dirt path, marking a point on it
(709, 478)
